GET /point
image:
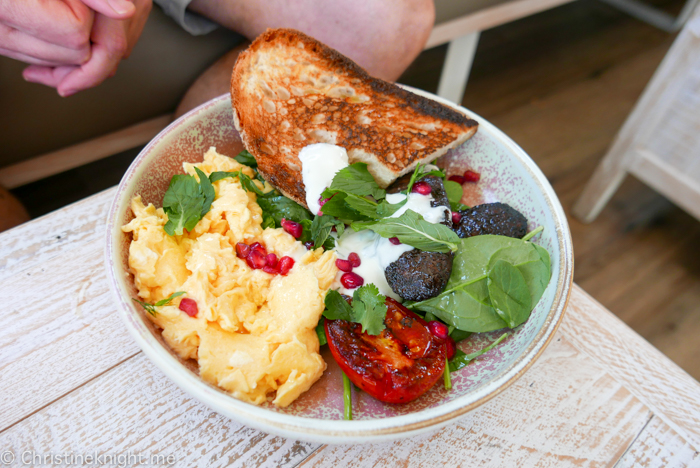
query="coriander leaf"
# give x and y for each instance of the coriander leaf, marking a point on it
(369, 309)
(336, 307)
(509, 294)
(321, 333)
(454, 193)
(461, 359)
(183, 203)
(207, 190)
(413, 230)
(357, 180)
(247, 159)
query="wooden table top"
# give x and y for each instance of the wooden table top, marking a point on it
(75, 383)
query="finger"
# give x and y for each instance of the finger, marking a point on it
(17, 41)
(137, 23)
(115, 9)
(49, 76)
(26, 58)
(63, 22)
(109, 45)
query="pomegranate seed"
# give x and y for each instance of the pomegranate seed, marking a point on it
(421, 187)
(256, 259)
(351, 280)
(451, 347)
(309, 245)
(343, 265)
(471, 176)
(438, 329)
(286, 264)
(257, 246)
(457, 178)
(354, 259)
(292, 227)
(189, 306)
(394, 240)
(271, 260)
(242, 250)
(273, 270)
(456, 217)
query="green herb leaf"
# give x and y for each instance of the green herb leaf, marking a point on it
(279, 207)
(357, 180)
(321, 229)
(466, 302)
(369, 309)
(386, 209)
(509, 294)
(458, 335)
(454, 193)
(183, 203)
(247, 159)
(419, 174)
(337, 208)
(151, 308)
(347, 398)
(207, 190)
(218, 175)
(362, 205)
(336, 307)
(413, 230)
(321, 333)
(461, 359)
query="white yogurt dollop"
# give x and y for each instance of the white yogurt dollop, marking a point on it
(420, 204)
(320, 162)
(376, 253)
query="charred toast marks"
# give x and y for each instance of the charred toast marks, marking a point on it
(288, 91)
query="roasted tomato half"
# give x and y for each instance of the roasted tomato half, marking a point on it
(396, 366)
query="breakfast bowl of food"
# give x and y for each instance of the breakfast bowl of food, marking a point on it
(328, 257)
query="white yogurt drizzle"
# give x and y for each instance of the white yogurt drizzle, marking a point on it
(320, 163)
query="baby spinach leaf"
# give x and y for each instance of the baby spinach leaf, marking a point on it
(279, 206)
(454, 193)
(413, 230)
(466, 302)
(509, 293)
(357, 180)
(218, 175)
(459, 335)
(183, 203)
(247, 159)
(461, 359)
(369, 309)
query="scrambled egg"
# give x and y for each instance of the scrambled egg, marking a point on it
(254, 334)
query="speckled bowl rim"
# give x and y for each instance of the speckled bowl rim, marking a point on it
(333, 431)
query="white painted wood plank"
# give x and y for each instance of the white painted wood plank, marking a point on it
(135, 408)
(672, 394)
(659, 446)
(61, 331)
(39, 240)
(564, 412)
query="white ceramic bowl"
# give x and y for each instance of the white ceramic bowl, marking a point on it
(507, 175)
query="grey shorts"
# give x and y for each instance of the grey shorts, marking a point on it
(191, 22)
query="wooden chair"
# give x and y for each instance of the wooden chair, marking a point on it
(660, 141)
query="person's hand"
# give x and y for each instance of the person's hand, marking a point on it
(111, 40)
(53, 32)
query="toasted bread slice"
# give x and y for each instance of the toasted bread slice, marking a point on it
(288, 91)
